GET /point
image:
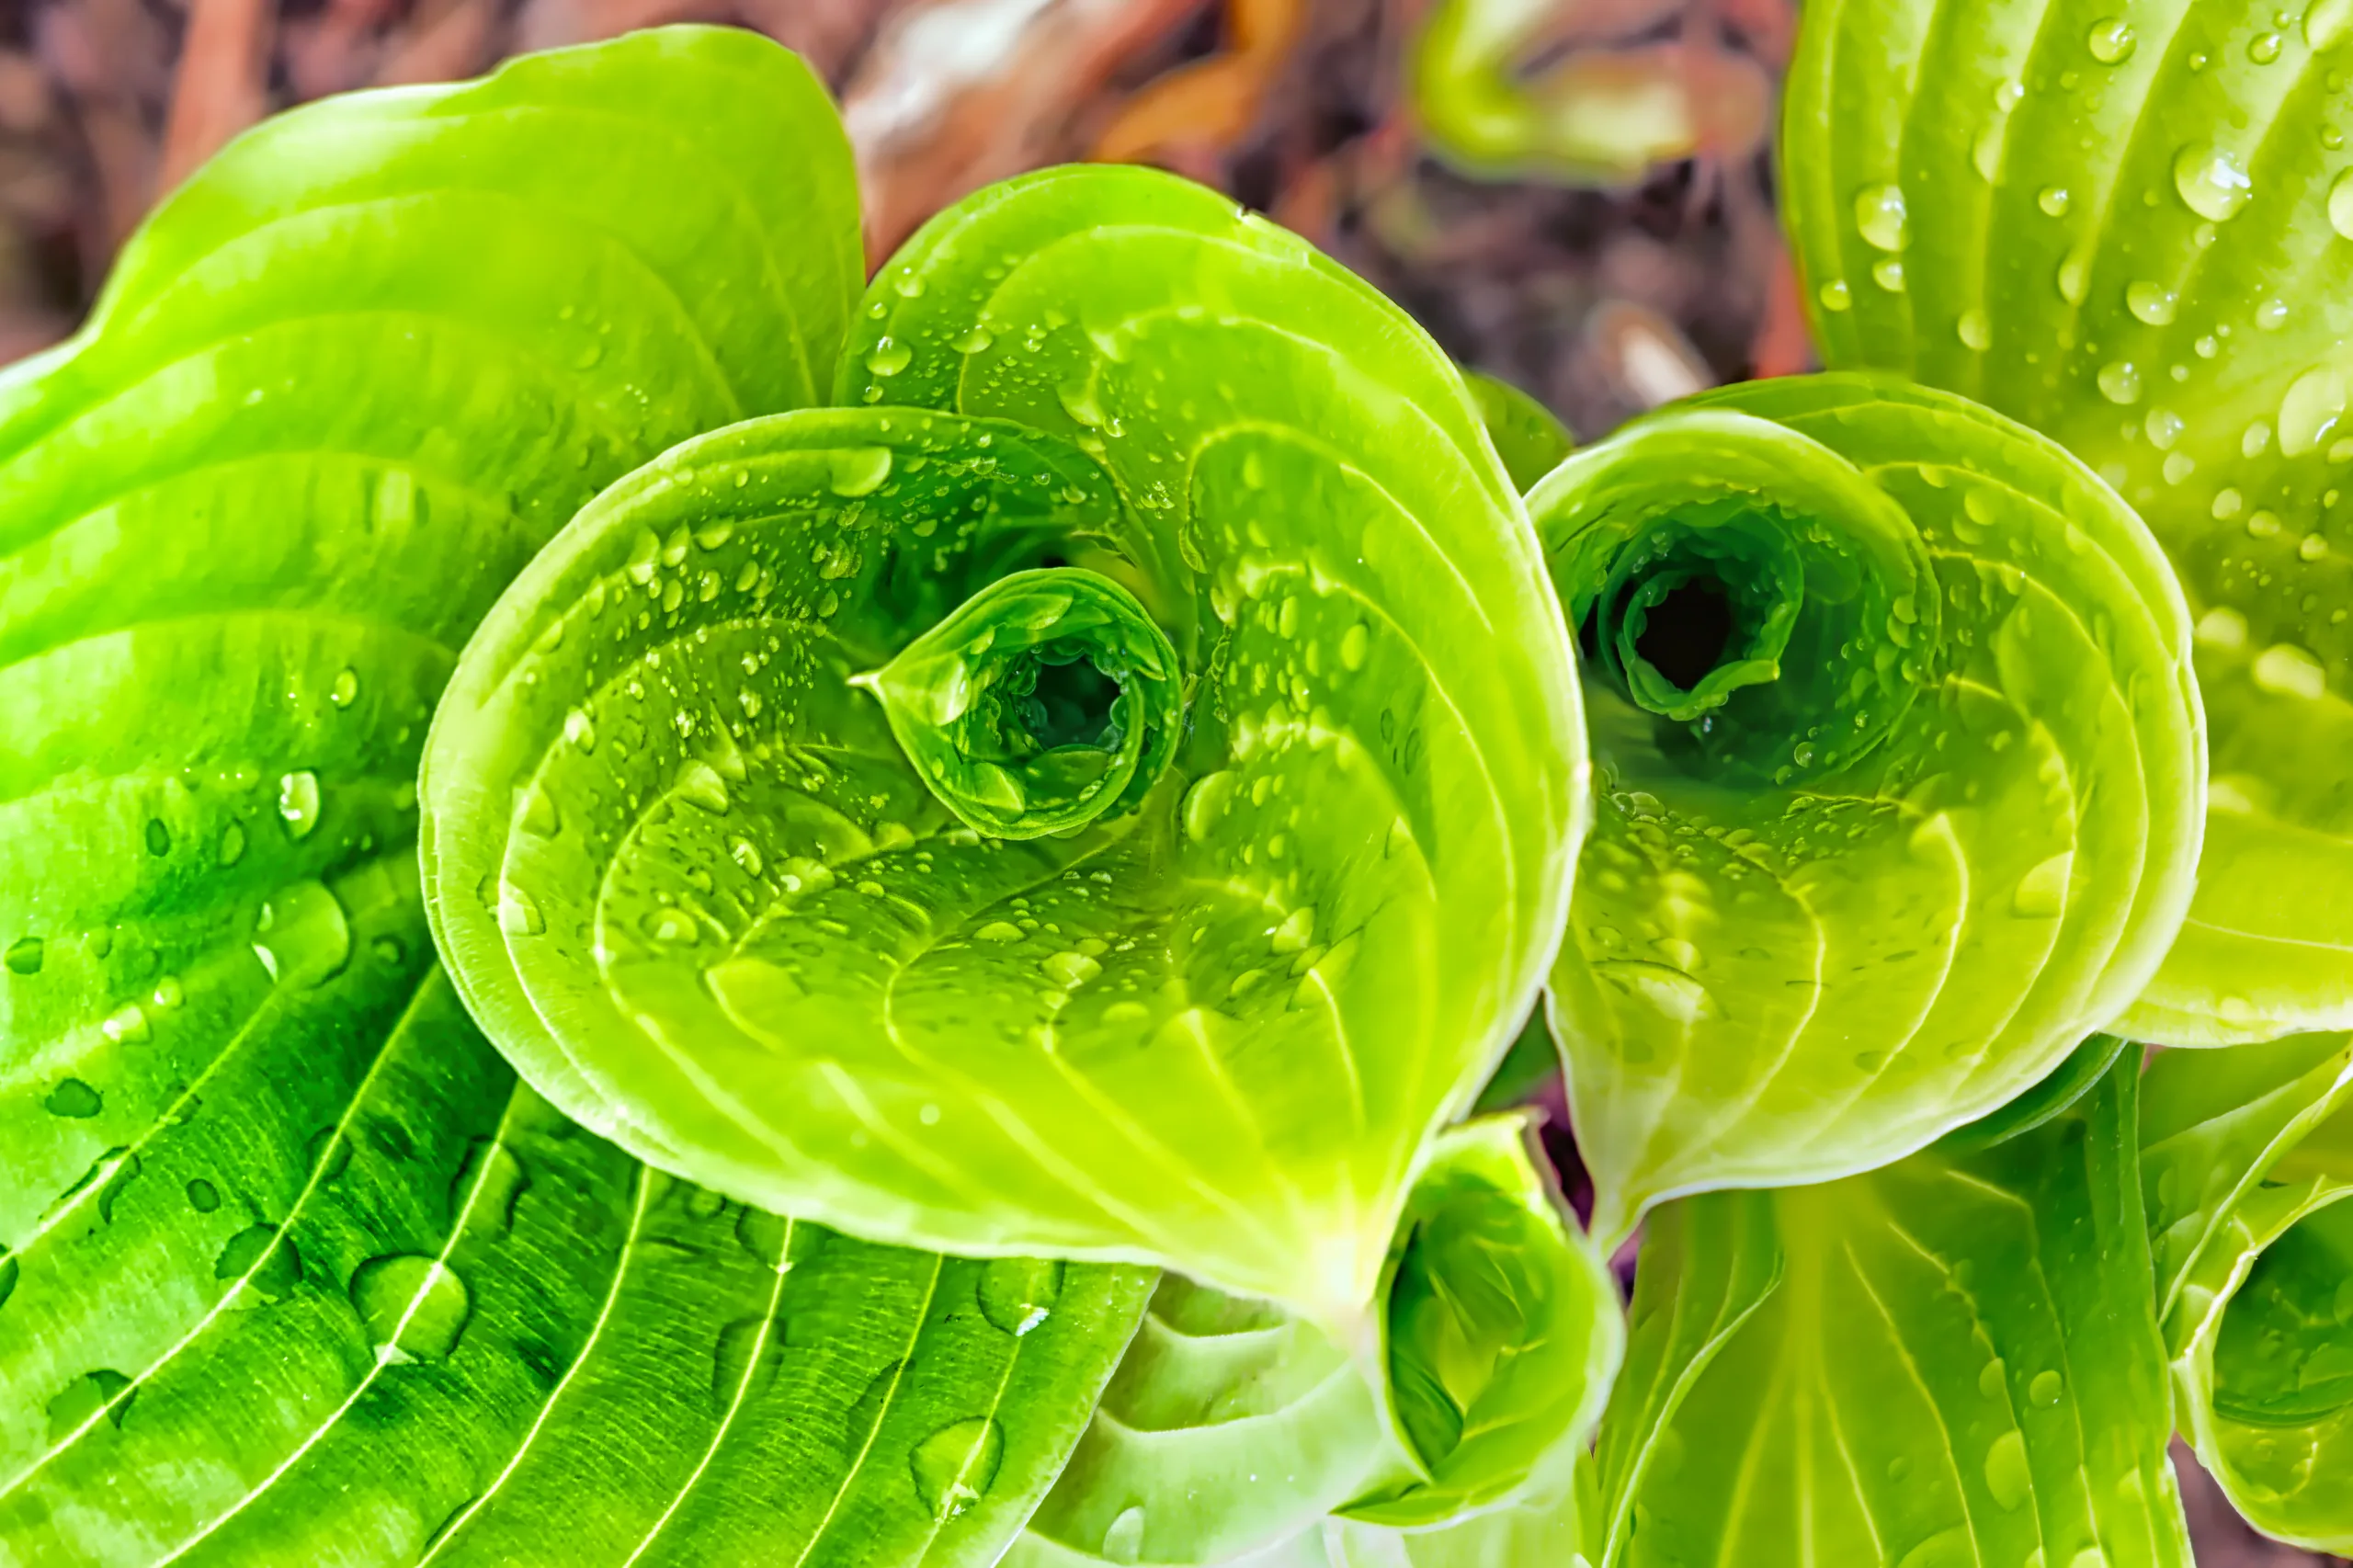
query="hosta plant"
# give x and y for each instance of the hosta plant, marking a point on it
(1098, 796)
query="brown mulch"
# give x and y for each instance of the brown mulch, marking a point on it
(1602, 301)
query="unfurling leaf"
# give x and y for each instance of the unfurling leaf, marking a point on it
(2248, 1161)
(1529, 437)
(1017, 960)
(2128, 227)
(1900, 774)
(296, 1271)
(1950, 1360)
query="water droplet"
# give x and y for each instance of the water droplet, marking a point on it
(2263, 525)
(74, 1098)
(1016, 1295)
(2310, 410)
(85, 1397)
(2285, 670)
(1836, 296)
(202, 1196)
(159, 837)
(2110, 41)
(1070, 971)
(2254, 438)
(2053, 200)
(2074, 274)
(2150, 303)
(975, 340)
(298, 802)
(699, 784)
(2043, 892)
(126, 1023)
(744, 1361)
(1123, 1538)
(2227, 502)
(2120, 381)
(1880, 216)
(24, 955)
(580, 729)
(519, 913)
(956, 1465)
(2178, 466)
(859, 471)
(1889, 275)
(888, 357)
(265, 1261)
(2264, 47)
(1206, 803)
(2164, 427)
(346, 689)
(998, 931)
(2271, 315)
(2211, 181)
(1976, 331)
(2006, 1475)
(1354, 643)
(301, 936)
(2312, 546)
(232, 844)
(168, 993)
(1668, 992)
(2046, 1388)
(410, 1306)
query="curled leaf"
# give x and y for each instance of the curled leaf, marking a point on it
(1529, 437)
(1047, 699)
(296, 1270)
(2249, 1161)
(2129, 231)
(1214, 1013)
(1900, 774)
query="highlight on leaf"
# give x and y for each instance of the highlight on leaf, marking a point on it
(1899, 771)
(1016, 959)
(2129, 232)
(296, 1270)
(2249, 1158)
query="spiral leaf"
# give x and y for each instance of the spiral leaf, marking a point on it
(1900, 772)
(2129, 230)
(891, 962)
(293, 1270)
(2249, 1163)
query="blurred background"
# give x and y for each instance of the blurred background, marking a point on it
(1573, 195)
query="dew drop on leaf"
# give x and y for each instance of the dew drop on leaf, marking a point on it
(2110, 41)
(2046, 1388)
(956, 1465)
(1974, 330)
(410, 1306)
(159, 837)
(74, 1098)
(2211, 181)
(301, 936)
(2150, 303)
(1880, 216)
(2043, 892)
(889, 356)
(202, 1196)
(298, 802)
(2006, 1475)
(742, 1362)
(24, 955)
(1017, 1293)
(83, 1398)
(346, 689)
(2310, 409)
(2285, 670)
(2053, 200)
(859, 471)
(2120, 382)
(265, 1261)
(1206, 802)
(232, 844)
(1836, 296)
(1123, 1538)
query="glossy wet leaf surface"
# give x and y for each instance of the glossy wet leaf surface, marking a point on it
(2130, 229)
(1950, 1360)
(296, 1270)
(720, 907)
(2249, 1158)
(1905, 806)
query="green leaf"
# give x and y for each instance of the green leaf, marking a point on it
(690, 879)
(2128, 229)
(1529, 437)
(1950, 1360)
(2249, 1156)
(296, 1270)
(1502, 1332)
(1232, 1426)
(1900, 778)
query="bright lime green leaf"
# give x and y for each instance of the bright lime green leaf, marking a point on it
(1900, 774)
(2128, 227)
(1502, 1332)
(1232, 1426)
(1529, 437)
(1047, 699)
(296, 1272)
(691, 879)
(1958, 1364)
(2249, 1156)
